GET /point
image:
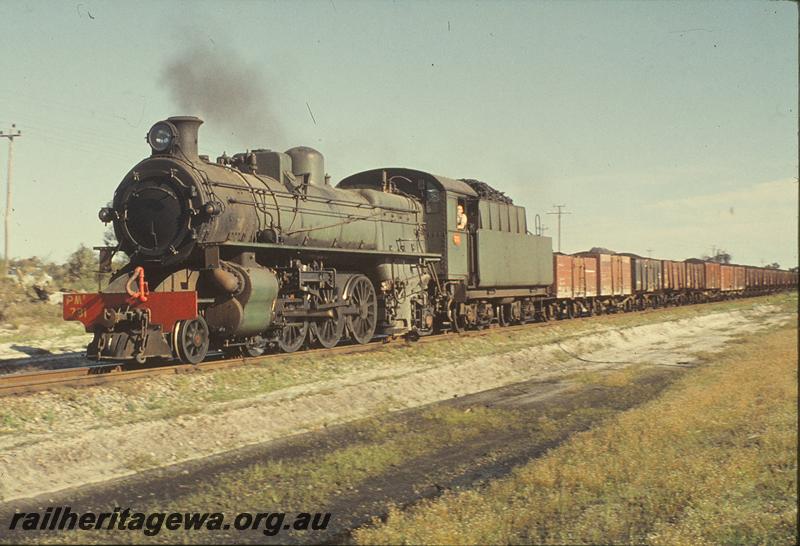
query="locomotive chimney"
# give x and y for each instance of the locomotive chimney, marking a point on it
(187, 127)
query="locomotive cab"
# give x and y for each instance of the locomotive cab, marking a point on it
(492, 267)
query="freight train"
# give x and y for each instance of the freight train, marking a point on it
(258, 251)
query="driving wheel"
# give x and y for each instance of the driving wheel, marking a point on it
(362, 297)
(327, 331)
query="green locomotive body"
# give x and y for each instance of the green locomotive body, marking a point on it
(259, 250)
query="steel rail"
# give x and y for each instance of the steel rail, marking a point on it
(100, 373)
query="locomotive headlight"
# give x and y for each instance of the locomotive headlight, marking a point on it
(107, 215)
(161, 136)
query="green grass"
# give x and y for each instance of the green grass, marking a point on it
(28, 322)
(383, 443)
(377, 446)
(713, 460)
(306, 483)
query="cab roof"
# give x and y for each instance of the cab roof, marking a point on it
(374, 179)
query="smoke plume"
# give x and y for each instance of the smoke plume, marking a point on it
(225, 91)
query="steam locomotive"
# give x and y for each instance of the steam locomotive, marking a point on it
(258, 251)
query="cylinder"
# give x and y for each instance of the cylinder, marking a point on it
(250, 310)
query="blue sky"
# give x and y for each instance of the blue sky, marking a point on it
(662, 126)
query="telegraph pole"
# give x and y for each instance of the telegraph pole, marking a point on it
(559, 212)
(539, 227)
(10, 135)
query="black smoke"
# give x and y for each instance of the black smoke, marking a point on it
(225, 90)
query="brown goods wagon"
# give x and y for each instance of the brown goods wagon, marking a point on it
(674, 274)
(712, 276)
(562, 275)
(584, 276)
(695, 275)
(760, 277)
(739, 282)
(646, 274)
(681, 275)
(589, 271)
(578, 277)
(667, 275)
(751, 277)
(726, 278)
(613, 272)
(621, 275)
(605, 286)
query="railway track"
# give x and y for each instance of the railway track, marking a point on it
(43, 362)
(97, 374)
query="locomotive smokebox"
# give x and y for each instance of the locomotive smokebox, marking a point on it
(187, 127)
(308, 162)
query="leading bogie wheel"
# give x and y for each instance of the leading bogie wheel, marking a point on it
(361, 295)
(190, 340)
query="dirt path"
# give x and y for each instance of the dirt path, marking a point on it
(32, 464)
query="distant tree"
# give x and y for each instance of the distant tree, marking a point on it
(24, 266)
(721, 257)
(109, 237)
(773, 265)
(81, 268)
(793, 269)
